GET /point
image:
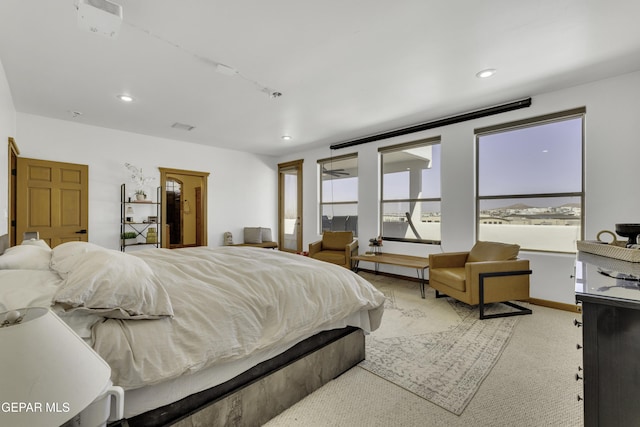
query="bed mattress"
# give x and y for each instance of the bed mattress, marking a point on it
(171, 323)
(141, 400)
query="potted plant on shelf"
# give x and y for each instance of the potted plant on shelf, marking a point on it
(141, 195)
(129, 237)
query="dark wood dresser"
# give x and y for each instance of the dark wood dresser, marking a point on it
(609, 292)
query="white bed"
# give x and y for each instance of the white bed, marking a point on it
(172, 323)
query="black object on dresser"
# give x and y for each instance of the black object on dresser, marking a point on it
(609, 291)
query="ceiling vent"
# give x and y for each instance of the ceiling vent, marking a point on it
(100, 16)
(182, 126)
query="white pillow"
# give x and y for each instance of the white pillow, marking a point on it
(66, 255)
(266, 235)
(38, 242)
(27, 288)
(4, 243)
(252, 235)
(27, 257)
(116, 285)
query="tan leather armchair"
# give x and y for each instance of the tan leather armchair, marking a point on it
(336, 247)
(490, 272)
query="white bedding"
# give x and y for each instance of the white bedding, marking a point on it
(209, 306)
(35, 288)
(229, 302)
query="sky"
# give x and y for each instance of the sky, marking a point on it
(533, 160)
(538, 159)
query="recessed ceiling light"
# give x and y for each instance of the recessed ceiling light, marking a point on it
(485, 73)
(287, 137)
(125, 98)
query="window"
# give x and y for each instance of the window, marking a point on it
(530, 182)
(410, 202)
(339, 193)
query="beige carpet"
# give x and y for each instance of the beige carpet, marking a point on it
(437, 349)
(532, 384)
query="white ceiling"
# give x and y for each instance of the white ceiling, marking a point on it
(346, 69)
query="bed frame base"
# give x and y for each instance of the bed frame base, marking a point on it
(267, 389)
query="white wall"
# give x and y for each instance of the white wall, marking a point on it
(7, 129)
(242, 188)
(612, 145)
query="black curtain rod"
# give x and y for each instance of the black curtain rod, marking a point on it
(502, 108)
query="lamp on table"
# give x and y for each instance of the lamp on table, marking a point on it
(49, 375)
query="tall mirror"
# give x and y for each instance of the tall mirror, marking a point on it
(184, 201)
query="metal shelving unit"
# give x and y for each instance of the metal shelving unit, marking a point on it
(140, 227)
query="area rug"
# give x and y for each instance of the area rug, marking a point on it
(437, 349)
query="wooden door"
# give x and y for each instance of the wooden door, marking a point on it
(198, 216)
(196, 180)
(290, 206)
(13, 185)
(52, 198)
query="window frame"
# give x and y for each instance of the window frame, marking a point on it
(436, 140)
(565, 115)
(321, 203)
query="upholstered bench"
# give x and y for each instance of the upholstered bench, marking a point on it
(267, 245)
(259, 237)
